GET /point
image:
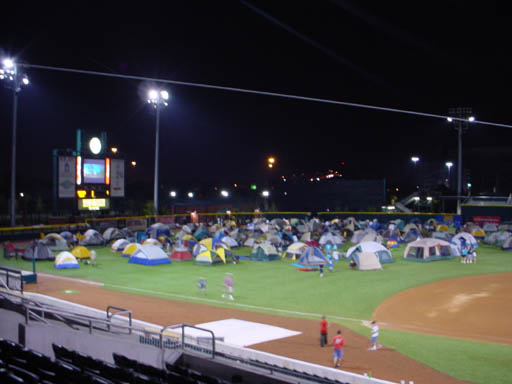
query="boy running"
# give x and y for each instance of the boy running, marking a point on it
(375, 336)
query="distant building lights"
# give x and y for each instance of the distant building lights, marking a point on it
(416, 198)
(429, 198)
(173, 194)
(265, 193)
(224, 193)
(449, 119)
(133, 163)
(190, 195)
(471, 119)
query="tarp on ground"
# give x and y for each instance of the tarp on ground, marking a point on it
(149, 255)
(37, 250)
(65, 260)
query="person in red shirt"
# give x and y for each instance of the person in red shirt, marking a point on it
(338, 342)
(323, 331)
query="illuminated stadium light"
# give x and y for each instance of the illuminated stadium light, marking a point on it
(224, 193)
(449, 119)
(265, 193)
(173, 194)
(95, 145)
(190, 194)
(471, 119)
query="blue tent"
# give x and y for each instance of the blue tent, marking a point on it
(312, 256)
(217, 238)
(149, 255)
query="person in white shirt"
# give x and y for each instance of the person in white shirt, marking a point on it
(375, 336)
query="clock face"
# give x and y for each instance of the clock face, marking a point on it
(95, 145)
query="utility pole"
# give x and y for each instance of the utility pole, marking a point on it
(463, 116)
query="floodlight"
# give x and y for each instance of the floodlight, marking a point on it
(415, 159)
(265, 193)
(164, 94)
(153, 95)
(224, 193)
(190, 194)
(449, 164)
(25, 80)
(8, 63)
(173, 193)
(449, 119)
(471, 119)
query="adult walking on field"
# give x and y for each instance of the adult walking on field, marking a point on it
(338, 343)
(323, 331)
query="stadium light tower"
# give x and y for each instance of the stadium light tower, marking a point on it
(449, 165)
(13, 79)
(415, 159)
(158, 99)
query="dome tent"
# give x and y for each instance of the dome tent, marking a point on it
(382, 253)
(119, 245)
(112, 234)
(55, 242)
(66, 260)
(312, 256)
(37, 250)
(264, 252)
(429, 249)
(81, 252)
(149, 255)
(130, 249)
(92, 238)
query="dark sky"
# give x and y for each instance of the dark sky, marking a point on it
(422, 56)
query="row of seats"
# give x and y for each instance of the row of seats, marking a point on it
(22, 365)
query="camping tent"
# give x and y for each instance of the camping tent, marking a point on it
(330, 237)
(158, 229)
(37, 250)
(92, 238)
(382, 253)
(412, 235)
(119, 245)
(264, 252)
(209, 258)
(442, 236)
(463, 239)
(477, 232)
(442, 228)
(65, 260)
(366, 261)
(201, 233)
(230, 241)
(55, 242)
(312, 256)
(153, 242)
(507, 244)
(69, 237)
(130, 249)
(294, 250)
(207, 242)
(180, 254)
(490, 227)
(149, 255)
(199, 248)
(429, 250)
(112, 234)
(81, 252)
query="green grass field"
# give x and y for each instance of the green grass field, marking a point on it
(278, 288)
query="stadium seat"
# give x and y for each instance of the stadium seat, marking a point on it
(27, 376)
(7, 377)
(62, 353)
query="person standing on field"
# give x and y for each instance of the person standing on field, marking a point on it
(338, 343)
(323, 331)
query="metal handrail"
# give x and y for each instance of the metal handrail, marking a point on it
(121, 312)
(183, 326)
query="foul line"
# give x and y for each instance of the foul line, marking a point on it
(72, 279)
(269, 309)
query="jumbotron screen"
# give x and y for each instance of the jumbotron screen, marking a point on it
(94, 171)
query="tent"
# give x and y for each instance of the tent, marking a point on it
(65, 260)
(250, 242)
(112, 234)
(158, 229)
(201, 233)
(410, 226)
(180, 254)
(463, 239)
(490, 227)
(366, 261)
(128, 234)
(149, 255)
(130, 249)
(210, 258)
(358, 236)
(442, 236)
(37, 250)
(207, 242)
(153, 242)
(507, 244)
(478, 233)
(55, 242)
(294, 250)
(92, 238)
(264, 252)
(371, 237)
(230, 241)
(119, 245)
(312, 256)
(429, 250)
(81, 252)
(306, 237)
(69, 237)
(442, 228)
(383, 254)
(412, 235)
(199, 248)
(330, 237)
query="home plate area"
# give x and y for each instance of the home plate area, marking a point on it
(241, 333)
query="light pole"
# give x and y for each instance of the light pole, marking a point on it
(415, 159)
(13, 79)
(449, 165)
(157, 99)
(462, 117)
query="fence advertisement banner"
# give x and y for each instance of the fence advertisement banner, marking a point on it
(117, 178)
(66, 176)
(481, 220)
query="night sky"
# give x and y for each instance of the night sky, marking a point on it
(421, 56)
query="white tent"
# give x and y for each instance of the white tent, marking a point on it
(330, 237)
(119, 245)
(366, 261)
(149, 255)
(65, 260)
(382, 253)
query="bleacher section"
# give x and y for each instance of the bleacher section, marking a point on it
(67, 343)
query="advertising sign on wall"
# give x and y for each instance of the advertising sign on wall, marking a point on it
(117, 178)
(66, 176)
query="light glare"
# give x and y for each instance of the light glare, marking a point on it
(152, 94)
(164, 94)
(8, 63)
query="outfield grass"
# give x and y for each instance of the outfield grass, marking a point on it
(342, 295)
